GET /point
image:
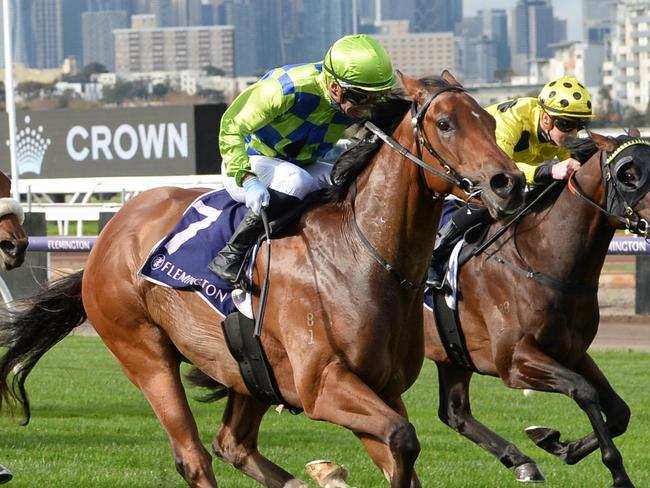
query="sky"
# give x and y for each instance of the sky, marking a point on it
(571, 10)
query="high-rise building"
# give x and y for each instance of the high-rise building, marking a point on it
(164, 12)
(436, 15)
(21, 27)
(421, 54)
(72, 45)
(47, 32)
(628, 69)
(532, 33)
(468, 33)
(174, 49)
(598, 16)
(97, 31)
(188, 12)
(495, 28)
(106, 5)
(329, 21)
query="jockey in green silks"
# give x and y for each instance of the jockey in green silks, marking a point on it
(275, 133)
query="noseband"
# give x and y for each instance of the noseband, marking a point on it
(620, 200)
(449, 175)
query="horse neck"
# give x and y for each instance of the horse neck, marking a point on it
(396, 213)
(575, 236)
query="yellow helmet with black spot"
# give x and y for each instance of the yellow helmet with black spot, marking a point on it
(566, 97)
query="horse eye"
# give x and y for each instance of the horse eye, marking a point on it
(443, 125)
(629, 176)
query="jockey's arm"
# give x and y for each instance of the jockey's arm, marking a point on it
(254, 108)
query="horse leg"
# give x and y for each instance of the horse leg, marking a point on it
(615, 409)
(531, 368)
(5, 475)
(151, 362)
(455, 411)
(343, 399)
(236, 443)
(379, 452)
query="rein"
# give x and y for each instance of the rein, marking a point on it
(639, 227)
(374, 253)
(450, 175)
(540, 277)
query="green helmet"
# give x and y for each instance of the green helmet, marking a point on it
(359, 61)
(566, 97)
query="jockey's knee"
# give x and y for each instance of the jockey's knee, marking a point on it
(296, 183)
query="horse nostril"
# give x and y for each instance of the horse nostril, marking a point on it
(505, 184)
(502, 184)
(8, 247)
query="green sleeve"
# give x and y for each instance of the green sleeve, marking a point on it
(254, 108)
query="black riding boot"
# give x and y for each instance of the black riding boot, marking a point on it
(447, 237)
(227, 264)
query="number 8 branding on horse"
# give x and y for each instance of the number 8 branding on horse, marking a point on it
(344, 281)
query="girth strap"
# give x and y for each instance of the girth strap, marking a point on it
(450, 332)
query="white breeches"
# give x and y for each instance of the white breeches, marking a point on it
(282, 176)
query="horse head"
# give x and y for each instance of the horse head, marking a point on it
(625, 167)
(13, 240)
(446, 118)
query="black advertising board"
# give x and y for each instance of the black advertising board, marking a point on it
(137, 141)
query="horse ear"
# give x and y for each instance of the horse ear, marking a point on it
(604, 143)
(634, 132)
(449, 78)
(412, 86)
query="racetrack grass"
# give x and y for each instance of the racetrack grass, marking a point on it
(91, 428)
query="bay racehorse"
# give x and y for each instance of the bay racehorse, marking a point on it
(533, 329)
(13, 245)
(334, 329)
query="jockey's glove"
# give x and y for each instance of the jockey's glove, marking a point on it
(257, 195)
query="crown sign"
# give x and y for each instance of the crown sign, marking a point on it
(30, 148)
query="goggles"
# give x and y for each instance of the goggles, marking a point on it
(569, 125)
(360, 97)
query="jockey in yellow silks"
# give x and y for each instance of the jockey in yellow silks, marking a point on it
(533, 132)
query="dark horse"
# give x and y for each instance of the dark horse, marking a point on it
(334, 326)
(533, 329)
(13, 244)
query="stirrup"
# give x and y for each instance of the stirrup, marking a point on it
(223, 269)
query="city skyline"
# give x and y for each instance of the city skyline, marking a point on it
(571, 11)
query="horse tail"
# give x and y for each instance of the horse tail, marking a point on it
(31, 329)
(198, 378)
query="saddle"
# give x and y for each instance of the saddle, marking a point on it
(444, 310)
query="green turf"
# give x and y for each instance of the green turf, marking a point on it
(91, 428)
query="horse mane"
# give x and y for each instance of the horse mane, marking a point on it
(387, 116)
(583, 149)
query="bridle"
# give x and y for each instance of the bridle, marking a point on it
(449, 175)
(618, 206)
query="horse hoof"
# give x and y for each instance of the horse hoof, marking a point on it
(327, 474)
(5, 475)
(543, 436)
(529, 473)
